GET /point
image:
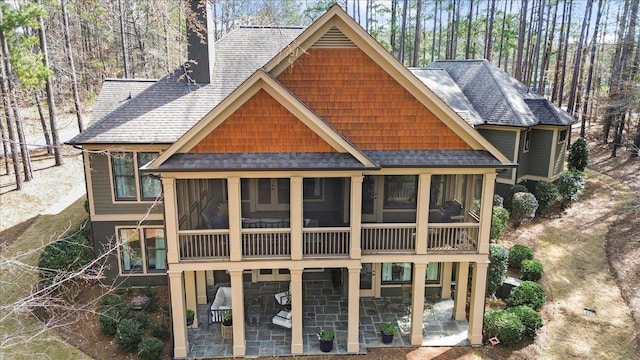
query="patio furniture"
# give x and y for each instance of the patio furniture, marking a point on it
(220, 304)
(253, 312)
(284, 299)
(282, 319)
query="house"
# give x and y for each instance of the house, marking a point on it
(526, 127)
(287, 153)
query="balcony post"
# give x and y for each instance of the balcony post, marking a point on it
(235, 223)
(422, 213)
(190, 294)
(201, 287)
(237, 306)
(296, 217)
(297, 344)
(355, 219)
(476, 310)
(353, 317)
(486, 212)
(446, 280)
(417, 302)
(171, 219)
(178, 315)
(460, 302)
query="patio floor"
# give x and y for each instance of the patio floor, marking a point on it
(324, 308)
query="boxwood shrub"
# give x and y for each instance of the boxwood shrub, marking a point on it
(570, 184)
(160, 330)
(109, 320)
(70, 253)
(499, 257)
(523, 207)
(129, 335)
(530, 318)
(512, 190)
(504, 325)
(578, 155)
(498, 200)
(518, 253)
(499, 220)
(531, 270)
(546, 194)
(150, 349)
(528, 293)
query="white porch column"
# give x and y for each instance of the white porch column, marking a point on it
(486, 210)
(178, 314)
(422, 213)
(446, 280)
(462, 281)
(190, 294)
(356, 216)
(171, 219)
(237, 309)
(201, 286)
(297, 344)
(417, 302)
(353, 318)
(235, 221)
(476, 311)
(296, 217)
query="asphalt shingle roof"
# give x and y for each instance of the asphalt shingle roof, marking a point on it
(167, 109)
(114, 93)
(433, 158)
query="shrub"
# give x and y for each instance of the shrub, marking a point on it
(570, 184)
(528, 293)
(530, 318)
(152, 304)
(143, 319)
(523, 207)
(129, 335)
(497, 271)
(499, 220)
(67, 254)
(546, 194)
(109, 320)
(498, 200)
(150, 349)
(518, 253)
(531, 270)
(504, 325)
(512, 190)
(160, 330)
(578, 155)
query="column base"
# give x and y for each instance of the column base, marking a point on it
(239, 350)
(180, 352)
(475, 339)
(297, 349)
(353, 348)
(417, 340)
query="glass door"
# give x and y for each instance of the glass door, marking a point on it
(369, 199)
(367, 280)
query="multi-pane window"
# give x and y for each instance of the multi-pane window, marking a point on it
(312, 188)
(527, 141)
(142, 250)
(129, 184)
(401, 273)
(562, 136)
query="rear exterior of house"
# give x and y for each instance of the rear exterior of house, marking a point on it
(288, 154)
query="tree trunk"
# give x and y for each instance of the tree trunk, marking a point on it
(556, 73)
(69, 52)
(577, 63)
(563, 68)
(504, 22)
(467, 47)
(123, 42)
(439, 30)
(43, 123)
(394, 25)
(636, 141)
(403, 31)
(13, 143)
(51, 104)
(489, 35)
(416, 40)
(547, 53)
(536, 51)
(5, 146)
(523, 26)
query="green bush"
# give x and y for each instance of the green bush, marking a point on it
(531, 270)
(498, 256)
(498, 200)
(499, 220)
(504, 325)
(109, 320)
(528, 293)
(578, 155)
(153, 303)
(546, 194)
(143, 319)
(530, 318)
(570, 184)
(150, 349)
(129, 335)
(67, 254)
(160, 330)
(512, 190)
(523, 207)
(518, 253)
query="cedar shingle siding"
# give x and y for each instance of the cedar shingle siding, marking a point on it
(262, 125)
(364, 103)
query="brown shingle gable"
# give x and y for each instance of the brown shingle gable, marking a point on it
(364, 103)
(262, 125)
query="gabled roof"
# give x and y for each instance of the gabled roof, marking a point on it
(114, 93)
(499, 98)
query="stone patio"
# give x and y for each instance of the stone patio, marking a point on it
(324, 308)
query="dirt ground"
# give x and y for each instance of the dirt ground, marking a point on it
(53, 187)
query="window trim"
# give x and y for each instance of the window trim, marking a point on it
(143, 250)
(560, 139)
(410, 281)
(320, 183)
(526, 146)
(136, 170)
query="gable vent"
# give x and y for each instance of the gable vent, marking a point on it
(334, 38)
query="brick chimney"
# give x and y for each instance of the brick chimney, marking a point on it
(201, 49)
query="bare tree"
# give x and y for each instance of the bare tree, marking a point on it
(519, 74)
(489, 36)
(416, 40)
(467, 47)
(577, 63)
(403, 31)
(69, 52)
(123, 42)
(43, 123)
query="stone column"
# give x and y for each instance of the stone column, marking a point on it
(237, 308)
(297, 344)
(355, 218)
(178, 314)
(462, 280)
(353, 317)
(417, 302)
(295, 204)
(476, 312)
(235, 219)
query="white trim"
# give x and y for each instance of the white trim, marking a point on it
(136, 175)
(537, 178)
(526, 146)
(127, 217)
(516, 157)
(89, 185)
(143, 249)
(552, 155)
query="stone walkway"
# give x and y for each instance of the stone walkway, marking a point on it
(324, 308)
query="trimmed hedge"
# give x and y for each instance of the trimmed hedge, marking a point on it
(499, 220)
(530, 318)
(499, 257)
(504, 325)
(531, 270)
(519, 253)
(512, 190)
(570, 184)
(129, 335)
(523, 207)
(578, 155)
(528, 293)
(150, 349)
(546, 194)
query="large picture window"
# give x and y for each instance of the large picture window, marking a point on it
(150, 187)
(129, 184)
(142, 250)
(400, 191)
(401, 273)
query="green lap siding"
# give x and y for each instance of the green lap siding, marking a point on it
(540, 152)
(503, 140)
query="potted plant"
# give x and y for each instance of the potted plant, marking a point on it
(190, 315)
(387, 331)
(326, 339)
(226, 328)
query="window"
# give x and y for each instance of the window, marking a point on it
(128, 183)
(400, 191)
(312, 189)
(272, 194)
(562, 136)
(433, 273)
(438, 187)
(142, 250)
(401, 273)
(527, 141)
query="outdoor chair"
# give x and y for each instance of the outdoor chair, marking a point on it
(220, 304)
(282, 319)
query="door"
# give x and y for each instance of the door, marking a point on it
(367, 280)
(369, 198)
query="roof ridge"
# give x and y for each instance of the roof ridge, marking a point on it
(507, 99)
(130, 80)
(270, 27)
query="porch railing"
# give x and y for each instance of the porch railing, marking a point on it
(447, 237)
(326, 241)
(388, 238)
(203, 244)
(266, 243)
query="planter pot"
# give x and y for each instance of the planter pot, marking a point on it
(326, 345)
(386, 338)
(189, 321)
(227, 331)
